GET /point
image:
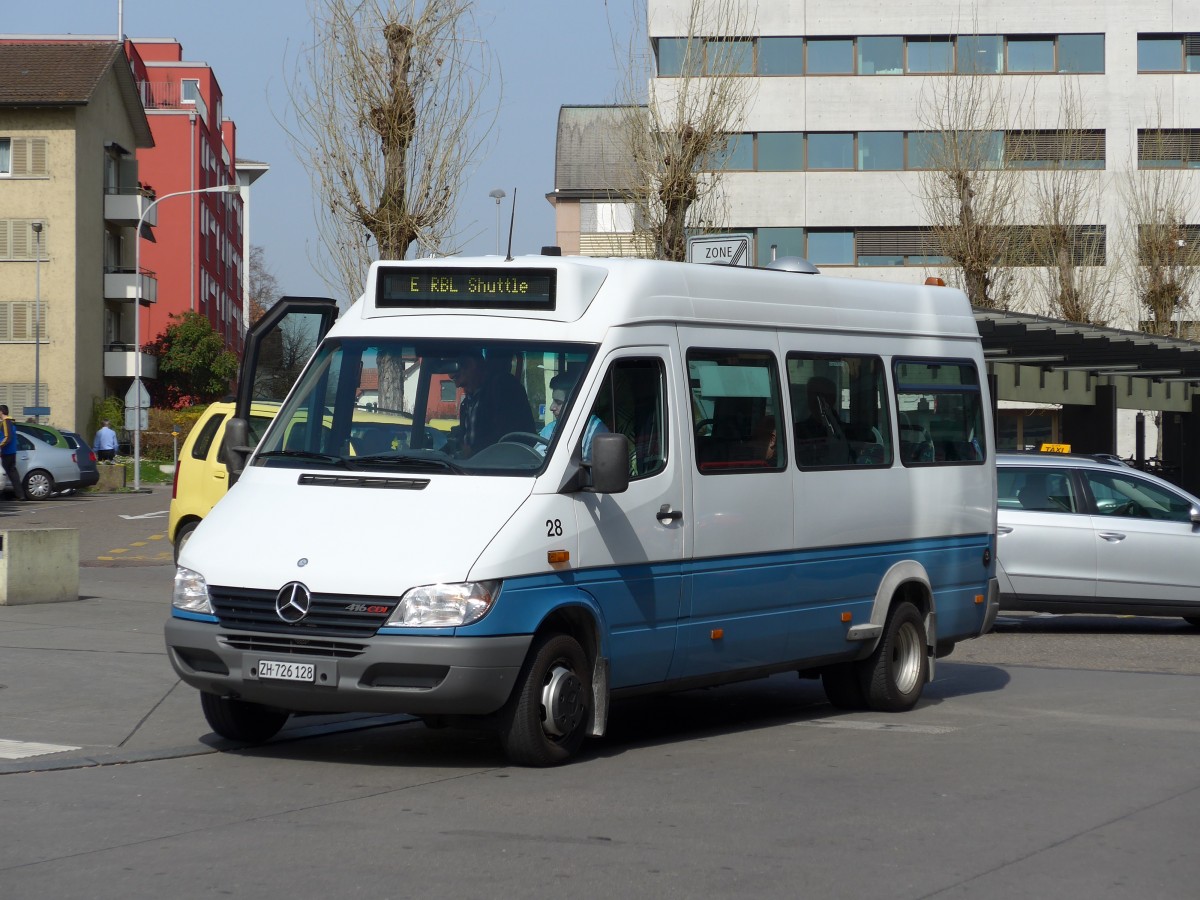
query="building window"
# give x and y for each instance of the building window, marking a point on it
(1055, 149)
(1168, 148)
(189, 90)
(1169, 53)
(776, 243)
(678, 57)
(23, 157)
(831, 151)
(781, 56)
(1031, 54)
(780, 151)
(729, 56)
(18, 319)
(880, 55)
(880, 151)
(736, 155)
(980, 54)
(1081, 53)
(17, 240)
(830, 56)
(929, 55)
(830, 248)
(5, 156)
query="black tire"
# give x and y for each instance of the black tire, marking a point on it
(843, 687)
(181, 537)
(251, 723)
(39, 485)
(894, 675)
(547, 716)
(1192, 620)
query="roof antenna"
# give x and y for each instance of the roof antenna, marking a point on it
(511, 220)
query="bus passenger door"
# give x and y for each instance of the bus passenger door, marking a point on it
(631, 544)
(741, 589)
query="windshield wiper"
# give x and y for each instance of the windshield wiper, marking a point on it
(404, 461)
(303, 454)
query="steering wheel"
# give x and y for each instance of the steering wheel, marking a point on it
(701, 425)
(527, 438)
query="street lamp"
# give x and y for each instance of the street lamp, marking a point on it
(137, 316)
(37, 322)
(497, 195)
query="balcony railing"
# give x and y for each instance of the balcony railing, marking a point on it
(127, 207)
(119, 362)
(122, 284)
(169, 95)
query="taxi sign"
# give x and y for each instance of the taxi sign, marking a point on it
(1056, 448)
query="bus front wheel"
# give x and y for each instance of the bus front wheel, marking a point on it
(238, 720)
(894, 675)
(547, 715)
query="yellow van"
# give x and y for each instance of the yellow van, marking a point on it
(201, 478)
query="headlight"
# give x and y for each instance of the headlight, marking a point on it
(445, 605)
(191, 591)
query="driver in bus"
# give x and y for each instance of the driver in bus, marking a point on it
(494, 403)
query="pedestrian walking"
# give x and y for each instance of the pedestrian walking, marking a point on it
(8, 453)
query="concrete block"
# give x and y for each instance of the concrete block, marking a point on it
(39, 565)
(112, 478)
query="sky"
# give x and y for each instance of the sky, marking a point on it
(549, 53)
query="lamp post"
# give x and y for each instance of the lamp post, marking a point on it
(497, 195)
(137, 316)
(37, 322)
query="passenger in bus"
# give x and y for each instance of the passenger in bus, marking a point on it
(494, 404)
(561, 386)
(821, 435)
(764, 439)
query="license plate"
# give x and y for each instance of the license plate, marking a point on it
(286, 671)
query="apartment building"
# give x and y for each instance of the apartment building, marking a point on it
(71, 122)
(95, 133)
(836, 136)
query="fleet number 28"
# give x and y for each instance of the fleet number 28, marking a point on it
(554, 528)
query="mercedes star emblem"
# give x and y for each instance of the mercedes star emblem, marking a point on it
(292, 602)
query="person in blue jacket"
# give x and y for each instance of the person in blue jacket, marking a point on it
(8, 453)
(561, 386)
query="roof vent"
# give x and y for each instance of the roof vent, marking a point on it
(794, 264)
(552, 251)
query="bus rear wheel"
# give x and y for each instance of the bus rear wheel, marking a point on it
(238, 720)
(894, 675)
(547, 715)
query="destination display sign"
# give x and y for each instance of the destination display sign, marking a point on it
(475, 288)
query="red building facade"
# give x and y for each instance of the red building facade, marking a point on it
(194, 262)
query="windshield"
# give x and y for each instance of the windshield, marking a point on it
(428, 405)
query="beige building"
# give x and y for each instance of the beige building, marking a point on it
(70, 124)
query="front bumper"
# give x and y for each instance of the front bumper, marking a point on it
(382, 674)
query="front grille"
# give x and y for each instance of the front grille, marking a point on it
(330, 615)
(282, 644)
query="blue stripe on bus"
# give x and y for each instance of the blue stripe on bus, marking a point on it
(656, 620)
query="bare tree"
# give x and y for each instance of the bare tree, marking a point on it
(679, 131)
(1068, 242)
(1163, 263)
(262, 284)
(968, 193)
(387, 107)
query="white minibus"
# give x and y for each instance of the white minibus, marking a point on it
(580, 479)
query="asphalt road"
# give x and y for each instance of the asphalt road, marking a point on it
(1056, 757)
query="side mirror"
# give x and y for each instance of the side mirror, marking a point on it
(238, 448)
(610, 464)
(1195, 515)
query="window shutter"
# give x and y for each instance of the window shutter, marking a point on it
(37, 156)
(5, 322)
(5, 249)
(19, 165)
(21, 322)
(895, 242)
(20, 247)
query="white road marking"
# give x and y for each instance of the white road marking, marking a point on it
(24, 749)
(878, 726)
(151, 515)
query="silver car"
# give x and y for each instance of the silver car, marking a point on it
(44, 469)
(1084, 534)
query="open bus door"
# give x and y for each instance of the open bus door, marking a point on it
(278, 347)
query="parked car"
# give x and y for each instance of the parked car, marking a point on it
(85, 457)
(201, 478)
(44, 470)
(48, 433)
(1080, 534)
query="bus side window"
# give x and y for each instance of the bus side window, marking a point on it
(736, 421)
(840, 411)
(633, 402)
